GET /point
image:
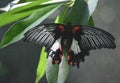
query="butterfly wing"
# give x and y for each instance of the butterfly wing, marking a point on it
(93, 38)
(88, 38)
(45, 34)
(85, 39)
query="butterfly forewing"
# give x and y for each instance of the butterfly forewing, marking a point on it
(97, 38)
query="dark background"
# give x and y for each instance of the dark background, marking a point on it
(18, 62)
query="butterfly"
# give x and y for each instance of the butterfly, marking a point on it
(76, 41)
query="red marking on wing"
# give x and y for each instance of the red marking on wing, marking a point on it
(71, 63)
(75, 29)
(61, 28)
(70, 50)
(60, 49)
(57, 61)
(68, 57)
(60, 56)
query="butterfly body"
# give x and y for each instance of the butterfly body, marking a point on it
(76, 41)
(66, 39)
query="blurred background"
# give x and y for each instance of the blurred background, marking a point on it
(18, 62)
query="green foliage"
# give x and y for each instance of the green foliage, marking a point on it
(74, 11)
(91, 22)
(22, 1)
(16, 32)
(41, 65)
(20, 12)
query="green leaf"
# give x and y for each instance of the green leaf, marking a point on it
(91, 21)
(20, 12)
(16, 32)
(22, 1)
(60, 18)
(57, 73)
(80, 12)
(64, 69)
(51, 71)
(41, 65)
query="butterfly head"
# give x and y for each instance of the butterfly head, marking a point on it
(69, 26)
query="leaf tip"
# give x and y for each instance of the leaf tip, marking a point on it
(2, 45)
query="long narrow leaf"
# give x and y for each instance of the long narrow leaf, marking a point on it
(91, 21)
(24, 11)
(81, 12)
(51, 71)
(16, 32)
(60, 18)
(64, 69)
(22, 1)
(20, 12)
(41, 65)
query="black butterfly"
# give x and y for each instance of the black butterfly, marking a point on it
(77, 41)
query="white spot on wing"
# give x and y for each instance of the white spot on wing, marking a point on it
(56, 45)
(75, 47)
